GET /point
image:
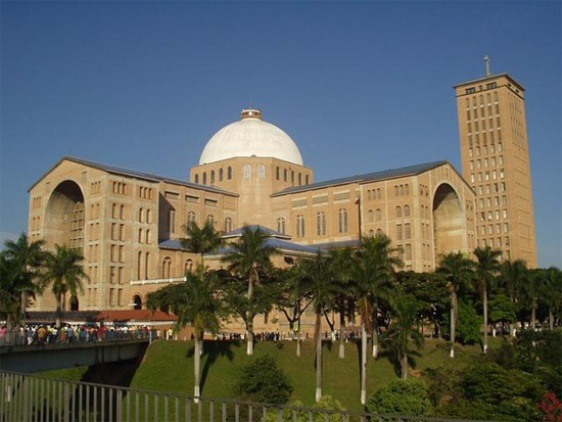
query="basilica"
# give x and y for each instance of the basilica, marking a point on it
(128, 223)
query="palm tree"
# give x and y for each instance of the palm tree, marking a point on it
(487, 267)
(513, 276)
(458, 270)
(373, 271)
(194, 302)
(317, 276)
(63, 270)
(340, 264)
(403, 331)
(551, 293)
(27, 257)
(201, 240)
(250, 256)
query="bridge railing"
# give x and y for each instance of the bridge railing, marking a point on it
(36, 398)
(19, 337)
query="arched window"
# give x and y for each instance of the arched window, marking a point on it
(277, 173)
(321, 223)
(211, 219)
(398, 212)
(137, 302)
(141, 215)
(300, 179)
(188, 266)
(378, 214)
(149, 216)
(285, 175)
(247, 170)
(406, 210)
(228, 224)
(229, 173)
(74, 303)
(191, 217)
(281, 225)
(306, 179)
(261, 171)
(370, 216)
(204, 178)
(221, 172)
(197, 178)
(300, 225)
(342, 220)
(212, 176)
(371, 232)
(166, 264)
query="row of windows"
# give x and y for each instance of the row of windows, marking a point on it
(481, 126)
(166, 266)
(192, 218)
(489, 216)
(291, 174)
(403, 231)
(120, 188)
(145, 215)
(487, 202)
(374, 193)
(484, 150)
(118, 212)
(118, 232)
(492, 162)
(492, 229)
(95, 187)
(35, 223)
(144, 192)
(487, 175)
(36, 202)
(495, 188)
(321, 223)
(212, 176)
(401, 190)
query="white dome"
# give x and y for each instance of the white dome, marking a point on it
(249, 137)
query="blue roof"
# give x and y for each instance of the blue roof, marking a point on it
(279, 244)
(270, 232)
(368, 177)
(135, 174)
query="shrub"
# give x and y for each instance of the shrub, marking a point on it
(263, 381)
(469, 323)
(404, 397)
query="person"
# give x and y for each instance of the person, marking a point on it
(42, 334)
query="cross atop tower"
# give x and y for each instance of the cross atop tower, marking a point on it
(488, 67)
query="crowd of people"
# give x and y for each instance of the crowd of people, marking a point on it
(39, 334)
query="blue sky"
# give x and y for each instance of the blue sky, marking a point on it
(360, 86)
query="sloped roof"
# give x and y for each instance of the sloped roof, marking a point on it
(270, 232)
(134, 174)
(368, 177)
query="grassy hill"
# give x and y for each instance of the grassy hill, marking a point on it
(168, 366)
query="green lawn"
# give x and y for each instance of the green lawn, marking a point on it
(168, 366)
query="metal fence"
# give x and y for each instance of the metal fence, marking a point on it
(34, 398)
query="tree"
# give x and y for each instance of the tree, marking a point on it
(373, 271)
(513, 275)
(292, 300)
(403, 331)
(487, 267)
(201, 240)
(458, 270)
(551, 293)
(317, 275)
(263, 381)
(26, 259)
(194, 302)
(340, 265)
(63, 270)
(249, 257)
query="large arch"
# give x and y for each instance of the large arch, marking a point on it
(448, 221)
(64, 216)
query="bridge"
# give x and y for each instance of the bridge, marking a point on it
(45, 357)
(35, 398)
